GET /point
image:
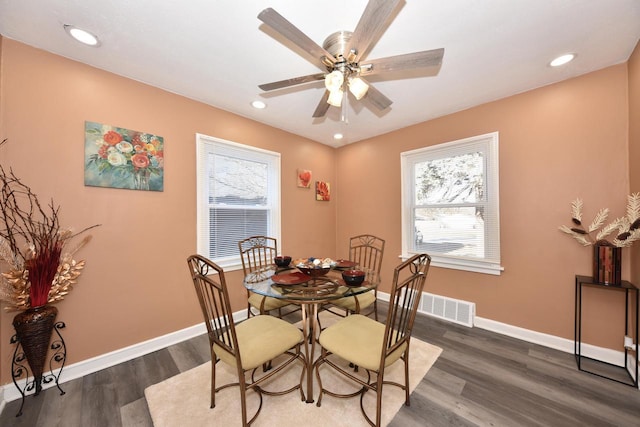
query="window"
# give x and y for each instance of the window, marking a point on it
(238, 195)
(450, 204)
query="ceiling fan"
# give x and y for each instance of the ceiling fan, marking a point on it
(342, 57)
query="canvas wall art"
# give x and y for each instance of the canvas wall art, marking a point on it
(122, 158)
(304, 178)
(323, 191)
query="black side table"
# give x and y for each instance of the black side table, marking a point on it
(630, 292)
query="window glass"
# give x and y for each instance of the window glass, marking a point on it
(238, 197)
(450, 204)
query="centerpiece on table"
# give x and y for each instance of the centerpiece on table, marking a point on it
(607, 253)
(41, 268)
(314, 267)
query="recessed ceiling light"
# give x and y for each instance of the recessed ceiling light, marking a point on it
(563, 59)
(83, 36)
(338, 136)
(259, 105)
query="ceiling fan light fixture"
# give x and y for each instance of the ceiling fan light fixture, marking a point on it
(358, 87)
(342, 53)
(334, 80)
(335, 97)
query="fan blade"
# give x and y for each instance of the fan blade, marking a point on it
(377, 98)
(371, 25)
(291, 82)
(276, 21)
(323, 105)
(409, 61)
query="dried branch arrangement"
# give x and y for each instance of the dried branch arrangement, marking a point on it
(32, 243)
(626, 228)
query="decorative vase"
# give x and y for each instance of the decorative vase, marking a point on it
(33, 330)
(607, 260)
(141, 179)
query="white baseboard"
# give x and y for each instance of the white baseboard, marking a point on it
(613, 357)
(8, 392)
(546, 340)
(384, 296)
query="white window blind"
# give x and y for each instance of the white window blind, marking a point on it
(450, 204)
(238, 196)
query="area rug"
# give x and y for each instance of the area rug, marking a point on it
(184, 399)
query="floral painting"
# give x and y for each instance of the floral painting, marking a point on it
(122, 158)
(304, 178)
(323, 192)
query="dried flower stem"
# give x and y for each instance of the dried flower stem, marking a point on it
(31, 242)
(628, 227)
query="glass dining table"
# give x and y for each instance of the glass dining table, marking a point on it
(291, 285)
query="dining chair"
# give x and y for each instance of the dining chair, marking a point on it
(367, 251)
(257, 253)
(247, 345)
(372, 345)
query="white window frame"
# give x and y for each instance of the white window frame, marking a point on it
(206, 145)
(488, 145)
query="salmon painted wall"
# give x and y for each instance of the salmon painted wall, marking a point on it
(136, 285)
(634, 148)
(557, 143)
(634, 144)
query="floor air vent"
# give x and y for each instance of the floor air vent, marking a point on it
(450, 309)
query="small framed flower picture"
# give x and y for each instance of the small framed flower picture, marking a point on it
(304, 178)
(121, 158)
(323, 191)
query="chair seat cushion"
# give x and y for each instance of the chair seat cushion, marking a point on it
(261, 339)
(358, 339)
(349, 303)
(269, 303)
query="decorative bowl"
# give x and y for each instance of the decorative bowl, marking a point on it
(353, 277)
(314, 270)
(282, 261)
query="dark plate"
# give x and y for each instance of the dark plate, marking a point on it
(345, 263)
(290, 278)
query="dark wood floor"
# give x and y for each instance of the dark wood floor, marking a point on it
(480, 379)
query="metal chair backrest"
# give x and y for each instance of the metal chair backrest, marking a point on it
(406, 291)
(257, 252)
(367, 250)
(211, 288)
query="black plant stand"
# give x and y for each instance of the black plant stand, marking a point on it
(20, 368)
(631, 294)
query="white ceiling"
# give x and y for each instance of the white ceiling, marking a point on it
(218, 52)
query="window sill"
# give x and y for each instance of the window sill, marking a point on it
(463, 264)
(229, 265)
